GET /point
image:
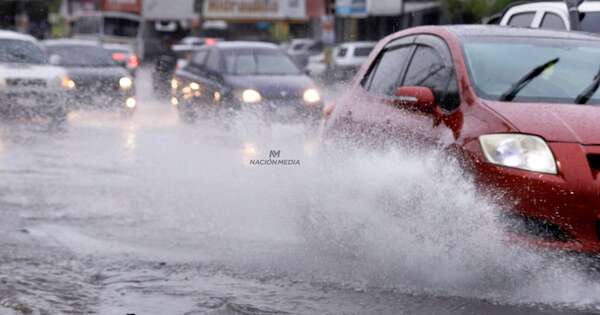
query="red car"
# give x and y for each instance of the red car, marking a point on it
(518, 106)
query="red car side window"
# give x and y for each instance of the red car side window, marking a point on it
(385, 71)
(386, 76)
(428, 68)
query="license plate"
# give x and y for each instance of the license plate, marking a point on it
(27, 102)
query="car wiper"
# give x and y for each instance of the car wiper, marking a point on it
(526, 79)
(585, 96)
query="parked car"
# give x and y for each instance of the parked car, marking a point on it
(348, 57)
(527, 129)
(553, 15)
(317, 66)
(248, 76)
(302, 48)
(29, 85)
(98, 81)
(125, 56)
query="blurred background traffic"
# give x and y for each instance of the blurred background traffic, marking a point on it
(327, 40)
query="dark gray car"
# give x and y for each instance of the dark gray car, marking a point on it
(98, 81)
(245, 75)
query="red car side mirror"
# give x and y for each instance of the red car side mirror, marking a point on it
(418, 97)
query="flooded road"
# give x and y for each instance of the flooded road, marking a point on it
(148, 215)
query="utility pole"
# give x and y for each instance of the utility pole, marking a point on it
(402, 11)
(574, 18)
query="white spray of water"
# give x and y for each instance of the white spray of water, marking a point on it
(396, 220)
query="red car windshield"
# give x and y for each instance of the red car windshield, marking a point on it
(561, 83)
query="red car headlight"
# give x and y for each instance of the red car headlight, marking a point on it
(520, 151)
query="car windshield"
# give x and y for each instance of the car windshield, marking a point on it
(591, 22)
(259, 62)
(562, 83)
(362, 51)
(121, 27)
(81, 55)
(113, 26)
(299, 46)
(20, 51)
(87, 25)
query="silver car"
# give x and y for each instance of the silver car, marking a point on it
(29, 85)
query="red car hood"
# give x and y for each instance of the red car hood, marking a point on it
(553, 122)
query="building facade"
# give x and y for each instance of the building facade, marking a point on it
(260, 19)
(26, 16)
(374, 19)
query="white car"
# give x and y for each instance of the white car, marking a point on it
(317, 66)
(29, 85)
(552, 15)
(301, 49)
(348, 57)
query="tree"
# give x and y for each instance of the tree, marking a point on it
(472, 11)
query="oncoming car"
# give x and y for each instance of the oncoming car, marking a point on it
(97, 80)
(526, 124)
(29, 85)
(250, 76)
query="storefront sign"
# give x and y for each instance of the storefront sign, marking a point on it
(384, 7)
(255, 9)
(351, 7)
(132, 6)
(361, 8)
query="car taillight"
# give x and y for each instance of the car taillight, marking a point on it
(210, 41)
(119, 57)
(133, 62)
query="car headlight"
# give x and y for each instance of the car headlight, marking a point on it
(311, 96)
(67, 83)
(251, 96)
(130, 103)
(519, 151)
(125, 83)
